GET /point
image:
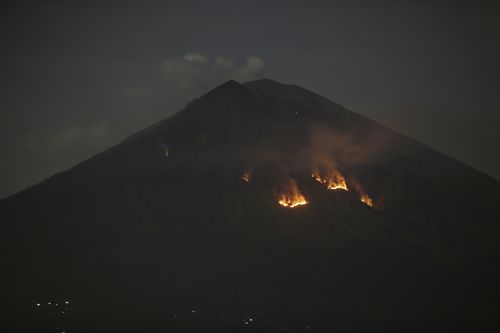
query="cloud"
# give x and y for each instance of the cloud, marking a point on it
(195, 58)
(250, 70)
(168, 85)
(196, 70)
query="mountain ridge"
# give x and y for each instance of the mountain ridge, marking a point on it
(257, 86)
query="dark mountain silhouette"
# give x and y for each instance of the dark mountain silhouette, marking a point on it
(160, 233)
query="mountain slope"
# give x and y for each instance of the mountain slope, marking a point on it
(161, 231)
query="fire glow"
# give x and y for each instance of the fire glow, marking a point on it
(333, 180)
(247, 175)
(365, 198)
(291, 196)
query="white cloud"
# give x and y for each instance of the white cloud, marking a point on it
(196, 58)
(195, 71)
(252, 69)
(168, 86)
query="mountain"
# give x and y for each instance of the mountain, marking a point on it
(258, 207)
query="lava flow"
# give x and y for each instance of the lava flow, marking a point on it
(333, 180)
(291, 196)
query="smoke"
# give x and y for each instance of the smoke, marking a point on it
(346, 149)
(327, 148)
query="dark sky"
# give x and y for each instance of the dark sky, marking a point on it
(77, 78)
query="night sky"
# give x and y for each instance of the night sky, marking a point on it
(78, 78)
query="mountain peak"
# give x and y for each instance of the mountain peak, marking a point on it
(264, 80)
(230, 89)
(230, 82)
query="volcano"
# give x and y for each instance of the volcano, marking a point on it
(258, 207)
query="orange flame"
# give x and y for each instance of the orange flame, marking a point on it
(365, 198)
(246, 176)
(333, 180)
(292, 197)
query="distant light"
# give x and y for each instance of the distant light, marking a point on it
(38, 304)
(66, 302)
(49, 303)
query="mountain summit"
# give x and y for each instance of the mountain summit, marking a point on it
(260, 207)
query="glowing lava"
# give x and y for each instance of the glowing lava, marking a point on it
(246, 176)
(333, 180)
(365, 198)
(292, 197)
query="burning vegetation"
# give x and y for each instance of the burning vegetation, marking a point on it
(291, 196)
(323, 166)
(333, 179)
(365, 198)
(246, 176)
